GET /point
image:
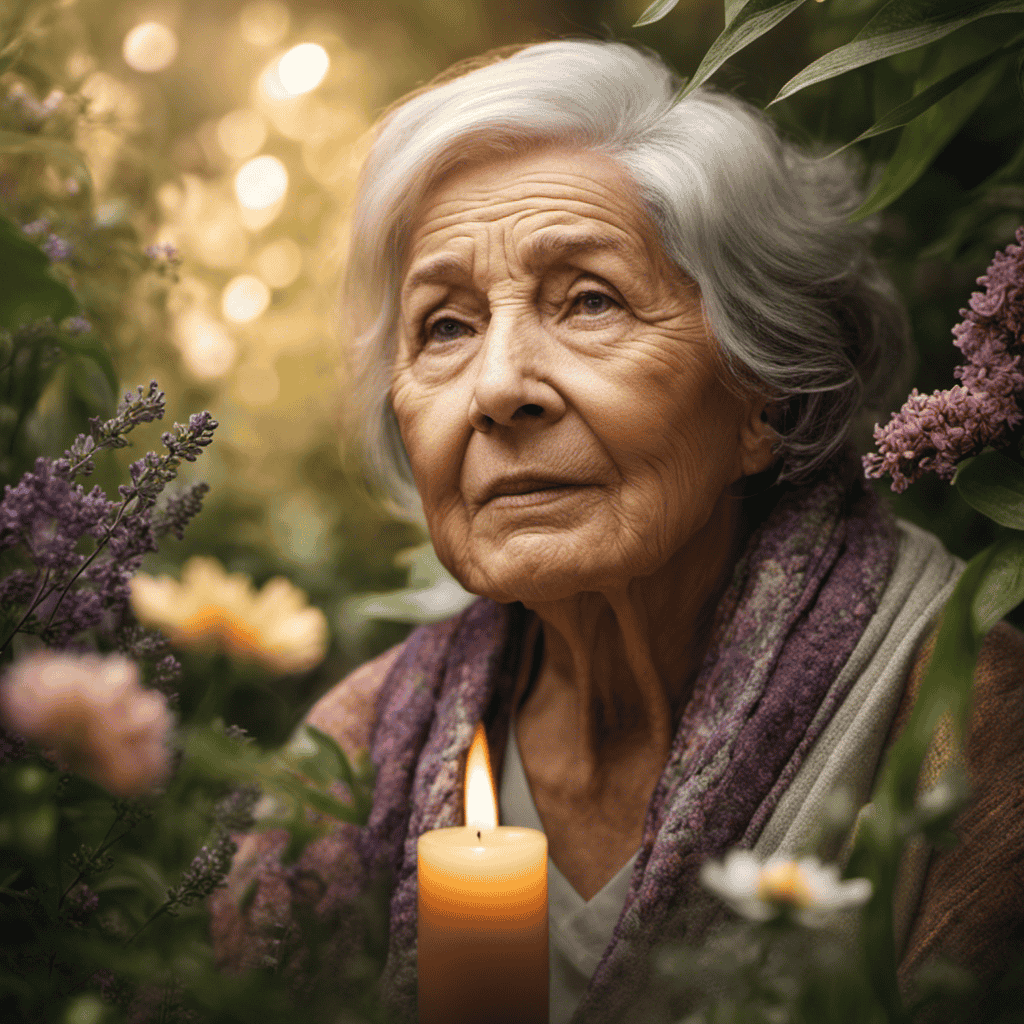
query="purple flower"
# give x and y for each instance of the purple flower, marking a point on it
(932, 433)
(163, 254)
(84, 547)
(56, 248)
(36, 228)
(77, 325)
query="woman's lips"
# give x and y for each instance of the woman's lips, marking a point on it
(533, 495)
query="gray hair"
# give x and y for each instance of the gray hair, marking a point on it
(798, 306)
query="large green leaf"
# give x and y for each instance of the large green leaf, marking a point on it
(732, 8)
(904, 113)
(899, 26)
(1003, 586)
(926, 136)
(994, 485)
(27, 292)
(655, 12)
(752, 21)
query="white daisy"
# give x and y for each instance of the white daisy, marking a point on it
(810, 891)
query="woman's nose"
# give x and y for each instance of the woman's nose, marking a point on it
(511, 387)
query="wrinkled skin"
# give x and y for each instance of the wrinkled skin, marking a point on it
(576, 449)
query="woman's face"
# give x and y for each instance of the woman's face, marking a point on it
(555, 383)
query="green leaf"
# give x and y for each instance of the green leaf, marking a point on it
(994, 485)
(926, 136)
(732, 8)
(655, 12)
(342, 767)
(1002, 588)
(905, 112)
(330, 805)
(899, 26)
(752, 21)
(27, 292)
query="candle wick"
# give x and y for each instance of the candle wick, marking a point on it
(478, 833)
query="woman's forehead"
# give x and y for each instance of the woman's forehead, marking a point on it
(546, 206)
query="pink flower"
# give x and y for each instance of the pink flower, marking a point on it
(932, 433)
(92, 715)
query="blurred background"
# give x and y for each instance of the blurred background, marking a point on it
(228, 135)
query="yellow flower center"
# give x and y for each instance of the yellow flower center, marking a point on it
(785, 883)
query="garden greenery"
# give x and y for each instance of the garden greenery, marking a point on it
(103, 879)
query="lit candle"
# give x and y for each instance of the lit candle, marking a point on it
(483, 913)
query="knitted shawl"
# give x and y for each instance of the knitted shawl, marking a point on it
(799, 599)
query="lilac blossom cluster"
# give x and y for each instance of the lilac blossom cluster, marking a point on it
(60, 590)
(932, 433)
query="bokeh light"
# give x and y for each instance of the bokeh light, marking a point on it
(271, 86)
(244, 298)
(264, 23)
(261, 182)
(207, 349)
(280, 263)
(242, 133)
(303, 68)
(150, 47)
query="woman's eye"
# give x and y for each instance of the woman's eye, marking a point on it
(594, 303)
(445, 329)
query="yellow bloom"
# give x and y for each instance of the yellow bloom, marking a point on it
(92, 716)
(213, 610)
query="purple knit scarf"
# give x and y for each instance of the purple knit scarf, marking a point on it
(800, 597)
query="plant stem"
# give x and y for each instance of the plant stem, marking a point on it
(36, 598)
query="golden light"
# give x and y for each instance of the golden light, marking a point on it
(481, 799)
(244, 298)
(261, 182)
(242, 133)
(220, 240)
(280, 263)
(150, 47)
(207, 349)
(257, 383)
(303, 68)
(271, 86)
(264, 23)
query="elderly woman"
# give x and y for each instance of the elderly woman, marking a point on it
(611, 349)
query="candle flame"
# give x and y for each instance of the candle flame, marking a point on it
(480, 797)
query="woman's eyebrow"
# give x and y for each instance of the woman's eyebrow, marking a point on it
(549, 246)
(543, 249)
(444, 268)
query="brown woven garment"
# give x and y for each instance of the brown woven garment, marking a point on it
(971, 908)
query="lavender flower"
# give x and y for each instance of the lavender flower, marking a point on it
(48, 517)
(77, 325)
(36, 228)
(80, 905)
(163, 254)
(932, 433)
(207, 871)
(179, 510)
(57, 249)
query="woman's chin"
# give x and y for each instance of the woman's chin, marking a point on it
(536, 574)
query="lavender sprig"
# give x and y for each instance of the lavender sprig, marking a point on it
(933, 433)
(47, 515)
(207, 871)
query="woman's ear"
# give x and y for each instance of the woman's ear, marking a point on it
(757, 438)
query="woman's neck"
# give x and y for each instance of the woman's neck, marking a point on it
(618, 666)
